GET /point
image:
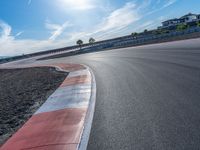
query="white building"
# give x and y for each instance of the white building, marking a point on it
(188, 18)
(172, 23)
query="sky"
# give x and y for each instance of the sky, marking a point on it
(28, 26)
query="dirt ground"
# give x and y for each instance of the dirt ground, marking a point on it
(22, 92)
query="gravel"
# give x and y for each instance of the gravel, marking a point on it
(22, 92)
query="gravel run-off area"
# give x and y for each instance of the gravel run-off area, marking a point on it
(22, 92)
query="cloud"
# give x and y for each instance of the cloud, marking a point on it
(147, 25)
(5, 31)
(19, 33)
(114, 23)
(165, 5)
(169, 3)
(119, 18)
(117, 23)
(158, 1)
(77, 4)
(120, 21)
(56, 29)
(10, 46)
(29, 2)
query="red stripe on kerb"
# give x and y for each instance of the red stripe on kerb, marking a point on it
(49, 129)
(76, 80)
(55, 147)
(70, 67)
(67, 67)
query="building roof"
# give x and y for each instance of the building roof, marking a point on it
(189, 14)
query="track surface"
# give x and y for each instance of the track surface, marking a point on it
(147, 97)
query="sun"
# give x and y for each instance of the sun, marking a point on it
(77, 4)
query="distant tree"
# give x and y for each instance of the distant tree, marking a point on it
(91, 40)
(181, 27)
(134, 34)
(80, 43)
(198, 24)
(145, 31)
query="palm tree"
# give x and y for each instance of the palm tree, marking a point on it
(80, 43)
(91, 40)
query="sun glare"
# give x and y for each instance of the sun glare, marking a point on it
(77, 4)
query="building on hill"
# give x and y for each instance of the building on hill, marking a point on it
(188, 19)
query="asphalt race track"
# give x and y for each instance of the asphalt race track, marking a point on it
(148, 97)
